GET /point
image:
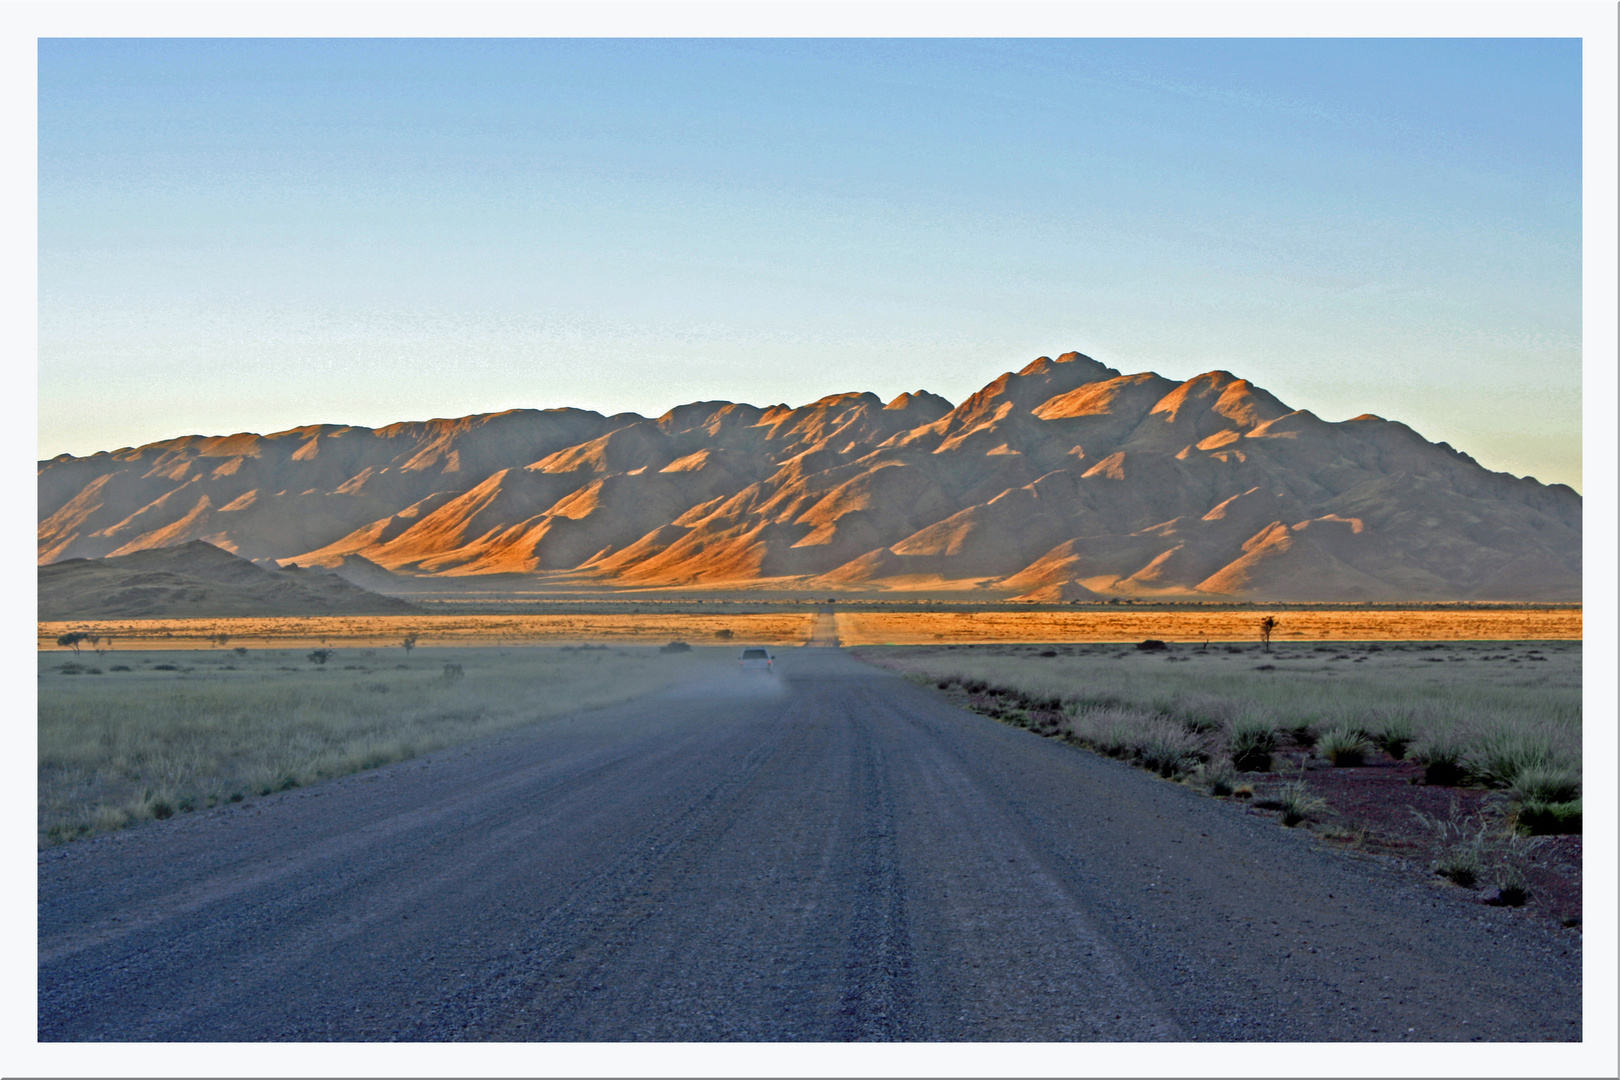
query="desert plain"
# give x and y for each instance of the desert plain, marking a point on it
(792, 624)
(531, 620)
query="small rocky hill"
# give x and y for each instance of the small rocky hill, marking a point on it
(197, 579)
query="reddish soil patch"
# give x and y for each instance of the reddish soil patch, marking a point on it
(1372, 810)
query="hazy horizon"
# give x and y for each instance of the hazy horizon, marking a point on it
(260, 234)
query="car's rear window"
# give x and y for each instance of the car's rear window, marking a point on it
(755, 654)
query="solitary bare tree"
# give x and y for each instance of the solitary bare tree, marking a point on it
(1267, 625)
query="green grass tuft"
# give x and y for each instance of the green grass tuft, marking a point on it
(1540, 818)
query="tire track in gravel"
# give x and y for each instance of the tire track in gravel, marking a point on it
(992, 896)
(799, 928)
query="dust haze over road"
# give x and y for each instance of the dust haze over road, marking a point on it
(828, 854)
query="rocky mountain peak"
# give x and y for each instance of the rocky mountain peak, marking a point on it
(1065, 479)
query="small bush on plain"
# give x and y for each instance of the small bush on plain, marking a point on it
(1345, 747)
(1250, 741)
(1547, 784)
(1297, 803)
(1166, 747)
(1218, 776)
(1442, 757)
(1539, 818)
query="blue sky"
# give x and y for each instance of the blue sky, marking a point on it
(254, 234)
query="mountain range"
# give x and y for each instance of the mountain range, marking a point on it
(1066, 480)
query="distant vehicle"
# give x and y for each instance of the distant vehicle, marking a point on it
(757, 660)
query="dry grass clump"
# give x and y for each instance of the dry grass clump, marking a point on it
(1200, 712)
(165, 739)
(1219, 776)
(1503, 715)
(1250, 742)
(1149, 739)
(1442, 756)
(1108, 730)
(1472, 850)
(1391, 730)
(1549, 801)
(1345, 746)
(1167, 748)
(1298, 804)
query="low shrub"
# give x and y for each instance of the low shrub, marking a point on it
(1540, 818)
(1467, 848)
(1301, 732)
(1345, 747)
(1512, 883)
(1109, 730)
(1166, 747)
(1201, 713)
(1499, 756)
(1250, 742)
(1297, 803)
(1442, 759)
(1547, 784)
(1392, 733)
(1460, 863)
(1218, 776)
(1046, 721)
(1512, 890)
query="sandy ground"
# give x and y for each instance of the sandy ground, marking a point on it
(851, 628)
(926, 628)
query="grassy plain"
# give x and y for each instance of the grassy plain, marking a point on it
(438, 630)
(1356, 624)
(792, 624)
(1506, 714)
(130, 736)
(198, 724)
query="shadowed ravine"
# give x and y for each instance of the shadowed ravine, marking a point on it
(833, 854)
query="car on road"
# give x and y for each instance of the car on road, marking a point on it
(757, 660)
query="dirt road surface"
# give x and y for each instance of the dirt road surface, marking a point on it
(829, 854)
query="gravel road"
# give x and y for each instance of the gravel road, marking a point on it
(830, 854)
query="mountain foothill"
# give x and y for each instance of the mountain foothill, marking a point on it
(1064, 481)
